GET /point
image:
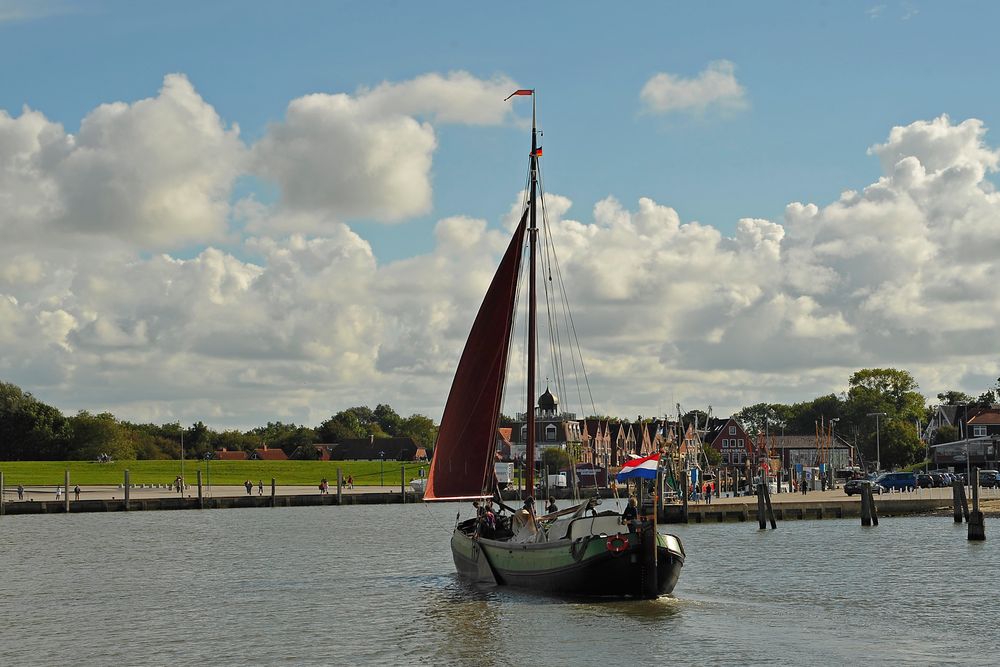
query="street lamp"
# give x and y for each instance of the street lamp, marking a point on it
(878, 447)
(965, 436)
(381, 456)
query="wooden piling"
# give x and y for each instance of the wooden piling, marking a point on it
(873, 506)
(1, 493)
(761, 519)
(272, 492)
(201, 499)
(866, 504)
(66, 490)
(770, 507)
(684, 494)
(340, 486)
(956, 494)
(126, 490)
(977, 523)
(402, 483)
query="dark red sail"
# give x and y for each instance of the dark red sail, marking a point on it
(463, 455)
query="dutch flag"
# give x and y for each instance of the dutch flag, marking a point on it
(643, 468)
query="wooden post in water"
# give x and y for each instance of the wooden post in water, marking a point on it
(872, 506)
(340, 486)
(201, 499)
(684, 494)
(956, 494)
(126, 490)
(761, 519)
(965, 500)
(977, 526)
(66, 490)
(272, 492)
(1, 493)
(866, 504)
(770, 508)
(402, 483)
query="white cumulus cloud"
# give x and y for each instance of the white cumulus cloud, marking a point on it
(715, 86)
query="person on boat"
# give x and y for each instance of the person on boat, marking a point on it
(631, 512)
(551, 507)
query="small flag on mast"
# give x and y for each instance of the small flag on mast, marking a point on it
(538, 152)
(522, 91)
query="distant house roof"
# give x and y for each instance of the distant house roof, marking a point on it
(265, 454)
(226, 455)
(988, 416)
(366, 449)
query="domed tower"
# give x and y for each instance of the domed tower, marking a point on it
(548, 404)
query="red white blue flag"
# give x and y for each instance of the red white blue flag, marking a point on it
(643, 468)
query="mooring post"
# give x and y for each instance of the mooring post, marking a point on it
(965, 502)
(201, 499)
(126, 491)
(761, 519)
(272, 492)
(402, 483)
(874, 507)
(977, 524)
(1, 493)
(866, 504)
(340, 486)
(956, 495)
(66, 490)
(684, 494)
(770, 508)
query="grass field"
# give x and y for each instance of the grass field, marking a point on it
(295, 473)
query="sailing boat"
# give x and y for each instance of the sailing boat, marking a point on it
(575, 551)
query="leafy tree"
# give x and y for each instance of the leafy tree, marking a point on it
(555, 459)
(760, 418)
(342, 426)
(953, 397)
(712, 455)
(945, 433)
(422, 429)
(387, 419)
(30, 429)
(900, 445)
(197, 440)
(94, 435)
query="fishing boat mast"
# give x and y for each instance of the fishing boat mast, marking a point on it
(532, 242)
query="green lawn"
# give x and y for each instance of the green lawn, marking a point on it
(221, 472)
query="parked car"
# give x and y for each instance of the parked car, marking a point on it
(989, 479)
(853, 486)
(902, 481)
(925, 481)
(937, 479)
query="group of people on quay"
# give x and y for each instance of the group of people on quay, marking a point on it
(248, 485)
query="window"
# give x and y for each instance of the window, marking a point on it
(524, 433)
(978, 431)
(742, 446)
(732, 430)
(550, 432)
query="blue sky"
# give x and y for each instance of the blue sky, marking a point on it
(819, 84)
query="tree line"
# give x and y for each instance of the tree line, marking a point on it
(889, 393)
(33, 430)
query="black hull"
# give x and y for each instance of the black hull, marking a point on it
(553, 568)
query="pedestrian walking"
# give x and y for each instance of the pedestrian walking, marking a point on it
(260, 487)
(58, 492)
(249, 487)
(76, 491)
(20, 492)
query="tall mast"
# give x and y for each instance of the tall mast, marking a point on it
(532, 241)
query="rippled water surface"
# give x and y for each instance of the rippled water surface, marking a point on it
(376, 585)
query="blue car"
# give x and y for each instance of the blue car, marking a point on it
(899, 481)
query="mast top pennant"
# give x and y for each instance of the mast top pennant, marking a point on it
(522, 91)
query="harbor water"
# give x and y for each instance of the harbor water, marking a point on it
(376, 585)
